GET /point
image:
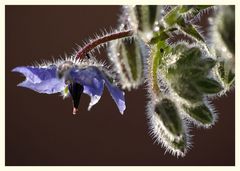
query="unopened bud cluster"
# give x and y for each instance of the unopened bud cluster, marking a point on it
(182, 76)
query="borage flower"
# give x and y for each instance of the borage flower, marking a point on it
(73, 77)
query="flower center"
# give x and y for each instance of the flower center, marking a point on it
(63, 70)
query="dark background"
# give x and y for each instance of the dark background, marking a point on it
(40, 129)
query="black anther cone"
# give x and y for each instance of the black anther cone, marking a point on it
(76, 91)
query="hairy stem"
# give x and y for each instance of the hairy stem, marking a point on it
(98, 41)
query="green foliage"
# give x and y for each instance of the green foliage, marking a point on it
(127, 57)
(201, 113)
(179, 77)
(169, 115)
(226, 27)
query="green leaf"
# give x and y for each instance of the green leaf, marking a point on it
(146, 16)
(194, 9)
(160, 37)
(194, 72)
(189, 29)
(131, 54)
(200, 113)
(153, 10)
(172, 16)
(192, 32)
(207, 63)
(187, 89)
(188, 75)
(128, 58)
(207, 85)
(175, 17)
(168, 113)
(226, 26)
(202, 7)
(226, 74)
(231, 77)
(221, 70)
(180, 144)
(189, 56)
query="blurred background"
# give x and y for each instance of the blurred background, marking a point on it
(40, 128)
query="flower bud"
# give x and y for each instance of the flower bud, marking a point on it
(226, 27)
(146, 16)
(142, 19)
(208, 86)
(168, 113)
(223, 29)
(201, 113)
(176, 16)
(167, 126)
(129, 58)
(189, 75)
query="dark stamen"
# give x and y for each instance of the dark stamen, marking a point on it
(76, 91)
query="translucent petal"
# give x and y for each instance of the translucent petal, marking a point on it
(94, 92)
(93, 80)
(117, 95)
(36, 74)
(41, 80)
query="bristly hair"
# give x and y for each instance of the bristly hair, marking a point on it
(206, 11)
(94, 44)
(161, 136)
(80, 63)
(220, 50)
(121, 65)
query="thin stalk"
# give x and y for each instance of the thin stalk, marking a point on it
(101, 40)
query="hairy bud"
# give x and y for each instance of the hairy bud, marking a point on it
(128, 57)
(168, 113)
(201, 113)
(224, 43)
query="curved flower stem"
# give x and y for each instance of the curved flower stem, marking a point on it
(100, 40)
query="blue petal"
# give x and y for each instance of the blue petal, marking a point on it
(93, 80)
(93, 84)
(36, 74)
(42, 80)
(117, 95)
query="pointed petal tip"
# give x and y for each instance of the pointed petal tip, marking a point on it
(122, 107)
(89, 107)
(94, 100)
(16, 69)
(21, 84)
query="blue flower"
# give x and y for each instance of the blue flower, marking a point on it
(72, 77)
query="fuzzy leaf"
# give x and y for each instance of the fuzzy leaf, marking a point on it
(207, 64)
(195, 9)
(188, 75)
(168, 113)
(224, 39)
(192, 32)
(226, 27)
(209, 86)
(146, 15)
(129, 49)
(128, 58)
(172, 16)
(226, 74)
(180, 144)
(175, 16)
(202, 7)
(189, 29)
(231, 77)
(200, 113)
(187, 89)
